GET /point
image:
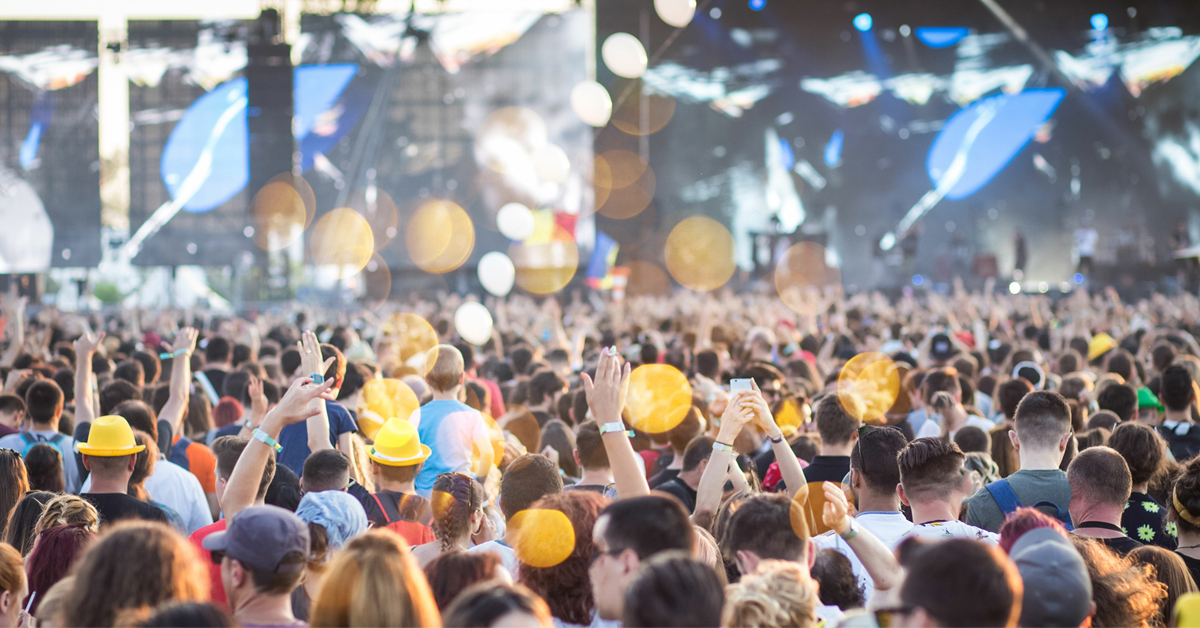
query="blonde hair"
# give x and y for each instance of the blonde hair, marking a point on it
(778, 594)
(67, 510)
(707, 552)
(446, 370)
(361, 462)
(374, 581)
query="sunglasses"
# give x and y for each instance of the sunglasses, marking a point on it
(889, 617)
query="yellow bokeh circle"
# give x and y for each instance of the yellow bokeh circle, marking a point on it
(699, 253)
(868, 386)
(380, 211)
(384, 399)
(279, 216)
(789, 417)
(301, 186)
(545, 267)
(801, 274)
(440, 237)
(659, 398)
(342, 237)
(541, 537)
(413, 338)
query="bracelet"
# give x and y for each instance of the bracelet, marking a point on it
(174, 354)
(318, 378)
(605, 428)
(266, 439)
(850, 532)
(776, 440)
(719, 446)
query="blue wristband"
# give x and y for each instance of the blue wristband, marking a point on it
(317, 378)
(168, 356)
(266, 439)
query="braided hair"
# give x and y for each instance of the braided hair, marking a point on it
(455, 497)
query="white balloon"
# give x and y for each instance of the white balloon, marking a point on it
(591, 103)
(473, 322)
(515, 221)
(677, 13)
(624, 55)
(551, 164)
(497, 273)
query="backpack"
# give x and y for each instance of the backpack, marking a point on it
(412, 532)
(32, 439)
(178, 453)
(1008, 502)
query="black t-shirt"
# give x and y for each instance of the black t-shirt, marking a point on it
(217, 378)
(1193, 565)
(662, 477)
(116, 506)
(685, 493)
(827, 469)
(1121, 544)
(1182, 438)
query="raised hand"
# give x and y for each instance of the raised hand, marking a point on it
(836, 513)
(606, 394)
(87, 343)
(258, 400)
(310, 356)
(295, 406)
(185, 341)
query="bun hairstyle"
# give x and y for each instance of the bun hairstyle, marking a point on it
(1184, 504)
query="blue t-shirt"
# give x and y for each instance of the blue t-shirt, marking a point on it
(450, 429)
(294, 438)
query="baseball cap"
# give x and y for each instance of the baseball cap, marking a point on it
(262, 537)
(1146, 399)
(941, 348)
(1058, 590)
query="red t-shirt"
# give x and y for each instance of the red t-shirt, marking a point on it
(217, 595)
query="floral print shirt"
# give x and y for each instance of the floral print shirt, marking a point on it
(1145, 521)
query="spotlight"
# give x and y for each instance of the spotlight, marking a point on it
(862, 22)
(1099, 21)
(918, 280)
(758, 5)
(1078, 279)
(1014, 288)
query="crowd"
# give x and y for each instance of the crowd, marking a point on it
(1033, 462)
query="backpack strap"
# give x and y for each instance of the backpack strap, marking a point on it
(381, 508)
(29, 439)
(56, 439)
(1058, 514)
(1005, 498)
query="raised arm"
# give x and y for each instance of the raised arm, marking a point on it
(875, 557)
(606, 398)
(181, 378)
(712, 482)
(296, 406)
(789, 465)
(85, 382)
(310, 364)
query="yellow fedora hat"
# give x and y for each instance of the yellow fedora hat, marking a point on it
(110, 437)
(397, 444)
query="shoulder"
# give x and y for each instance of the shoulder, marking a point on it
(12, 440)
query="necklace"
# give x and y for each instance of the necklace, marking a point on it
(1188, 546)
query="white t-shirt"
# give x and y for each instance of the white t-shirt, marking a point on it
(508, 556)
(174, 487)
(933, 430)
(942, 530)
(888, 527)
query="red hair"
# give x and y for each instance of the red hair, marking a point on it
(227, 411)
(566, 586)
(1023, 520)
(55, 553)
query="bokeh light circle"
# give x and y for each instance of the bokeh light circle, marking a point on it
(624, 55)
(413, 337)
(515, 221)
(868, 386)
(278, 212)
(699, 253)
(342, 237)
(623, 168)
(631, 200)
(638, 115)
(545, 267)
(304, 190)
(473, 322)
(541, 538)
(801, 274)
(677, 13)
(659, 398)
(440, 237)
(789, 417)
(377, 280)
(382, 400)
(380, 211)
(497, 273)
(591, 103)
(508, 138)
(551, 163)
(646, 279)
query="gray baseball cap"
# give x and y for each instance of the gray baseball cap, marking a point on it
(1058, 590)
(261, 537)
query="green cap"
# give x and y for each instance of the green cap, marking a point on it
(1146, 399)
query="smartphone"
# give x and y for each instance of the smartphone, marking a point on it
(740, 384)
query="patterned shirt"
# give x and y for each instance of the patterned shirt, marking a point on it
(1145, 521)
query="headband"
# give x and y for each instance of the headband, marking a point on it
(1183, 512)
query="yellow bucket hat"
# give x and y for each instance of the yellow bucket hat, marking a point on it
(110, 437)
(1101, 343)
(397, 444)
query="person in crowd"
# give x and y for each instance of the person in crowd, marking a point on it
(491, 606)
(1124, 591)
(836, 582)
(778, 595)
(328, 470)
(957, 582)
(678, 438)
(1042, 429)
(457, 516)
(1144, 518)
(12, 414)
(877, 502)
(110, 455)
(839, 433)
(1121, 399)
(565, 586)
(1057, 590)
(22, 524)
(397, 457)
(452, 572)
(1100, 489)
(1177, 391)
(57, 550)
(1171, 572)
(44, 407)
(1183, 514)
(188, 614)
(44, 465)
(673, 589)
(933, 483)
(217, 356)
(375, 582)
(133, 565)
(1008, 396)
(144, 463)
(333, 518)
(695, 459)
(263, 553)
(13, 587)
(456, 433)
(66, 510)
(526, 480)
(595, 471)
(14, 484)
(299, 440)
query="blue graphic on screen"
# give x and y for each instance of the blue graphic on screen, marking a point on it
(941, 36)
(786, 154)
(833, 150)
(210, 143)
(1008, 124)
(39, 121)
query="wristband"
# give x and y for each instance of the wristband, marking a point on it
(719, 446)
(776, 440)
(615, 427)
(266, 439)
(318, 378)
(850, 532)
(174, 354)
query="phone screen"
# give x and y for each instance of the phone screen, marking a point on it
(740, 384)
